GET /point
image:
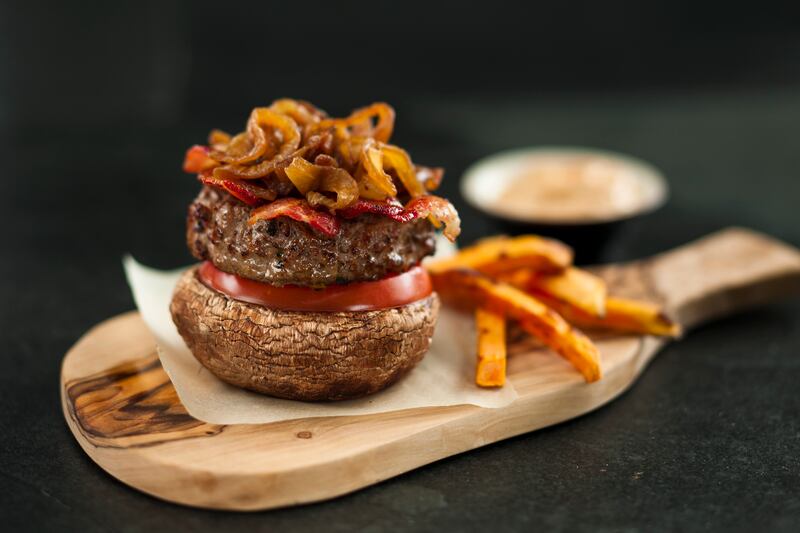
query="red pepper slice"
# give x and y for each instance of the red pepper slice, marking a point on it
(197, 160)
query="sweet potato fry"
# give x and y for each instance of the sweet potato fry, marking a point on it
(573, 286)
(496, 255)
(633, 316)
(491, 369)
(470, 289)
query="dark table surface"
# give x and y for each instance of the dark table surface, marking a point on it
(708, 438)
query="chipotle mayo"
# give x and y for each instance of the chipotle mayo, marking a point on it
(565, 186)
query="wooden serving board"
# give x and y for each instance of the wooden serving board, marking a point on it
(124, 412)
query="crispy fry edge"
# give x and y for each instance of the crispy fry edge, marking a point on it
(466, 288)
(491, 365)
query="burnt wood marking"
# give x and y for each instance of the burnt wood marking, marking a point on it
(132, 404)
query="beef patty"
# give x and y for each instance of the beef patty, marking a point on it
(283, 251)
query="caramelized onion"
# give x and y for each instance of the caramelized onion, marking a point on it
(302, 174)
(238, 146)
(325, 160)
(261, 170)
(397, 159)
(310, 179)
(283, 138)
(361, 121)
(348, 148)
(245, 147)
(265, 168)
(337, 181)
(291, 148)
(374, 183)
(283, 124)
(303, 113)
(218, 140)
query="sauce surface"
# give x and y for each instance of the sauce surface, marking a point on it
(574, 187)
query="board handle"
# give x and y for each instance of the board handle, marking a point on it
(725, 272)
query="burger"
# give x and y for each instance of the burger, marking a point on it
(310, 231)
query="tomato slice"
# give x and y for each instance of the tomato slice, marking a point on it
(393, 291)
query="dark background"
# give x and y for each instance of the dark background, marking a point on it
(98, 102)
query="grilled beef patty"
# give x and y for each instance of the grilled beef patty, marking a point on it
(283, 251)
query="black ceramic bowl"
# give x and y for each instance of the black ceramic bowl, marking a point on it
(485, 181)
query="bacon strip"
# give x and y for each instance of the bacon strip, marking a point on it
(299, 210)
(389, 208)
(438, 209)
(248, 193)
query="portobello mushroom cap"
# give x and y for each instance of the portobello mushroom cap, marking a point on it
(301, 355)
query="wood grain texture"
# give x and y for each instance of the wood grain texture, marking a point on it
(124, 412)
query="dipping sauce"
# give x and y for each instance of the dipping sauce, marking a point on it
(562, 186)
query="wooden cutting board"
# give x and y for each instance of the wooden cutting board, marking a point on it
(124, 412)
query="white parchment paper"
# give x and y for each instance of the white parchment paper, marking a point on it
(444, 377)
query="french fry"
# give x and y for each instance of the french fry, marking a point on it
(573, 286)
(491, 368)
(470, 289)
(622, 314)
(496, 255)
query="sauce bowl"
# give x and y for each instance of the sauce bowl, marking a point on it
(578, 195)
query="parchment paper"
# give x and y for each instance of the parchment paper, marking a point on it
(444, 377)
